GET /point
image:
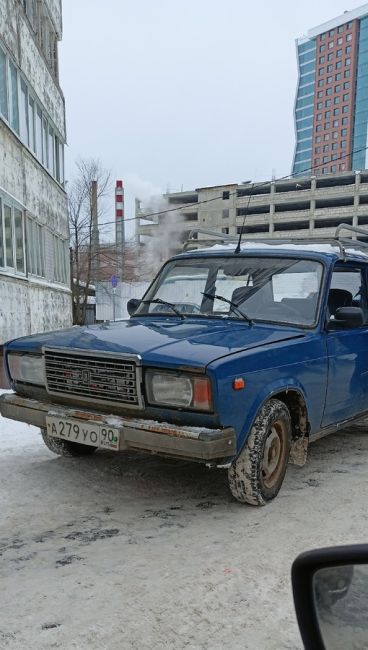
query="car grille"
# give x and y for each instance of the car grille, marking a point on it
(107, 378)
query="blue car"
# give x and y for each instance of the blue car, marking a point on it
(235, 357)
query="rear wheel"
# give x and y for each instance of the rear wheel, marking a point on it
(256, 476)
(66, 447)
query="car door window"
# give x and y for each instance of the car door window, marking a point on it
(348, 289)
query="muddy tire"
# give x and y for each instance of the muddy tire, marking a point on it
(256, 476)
(66, 447)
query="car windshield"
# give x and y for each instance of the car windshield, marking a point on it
(246, 288)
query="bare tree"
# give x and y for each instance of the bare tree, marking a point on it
(84, 251)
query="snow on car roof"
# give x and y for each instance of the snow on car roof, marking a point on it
(327, 248)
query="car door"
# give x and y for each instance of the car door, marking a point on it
(347, 349)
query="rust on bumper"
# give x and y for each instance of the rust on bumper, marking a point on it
(196, 443)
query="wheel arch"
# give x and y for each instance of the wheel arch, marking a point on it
(293, 396)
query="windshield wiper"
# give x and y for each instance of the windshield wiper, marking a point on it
(234, 307)
(159, 301)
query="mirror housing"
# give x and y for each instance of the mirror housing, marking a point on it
(347, 317)
(303, 574)
(132, 305)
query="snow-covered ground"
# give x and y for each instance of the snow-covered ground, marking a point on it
(128, 551)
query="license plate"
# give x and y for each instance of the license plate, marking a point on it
(86, 433)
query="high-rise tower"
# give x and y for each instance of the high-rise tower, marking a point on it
(331, 106)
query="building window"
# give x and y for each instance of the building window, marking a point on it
(335, 135)
(329, 67)
(319, 105)
(334, 156)
(26, 117)
(319, 117)
(346, 85)
(349, 37)
(345, 98)
(321, 59)
(337, 100)
(335, 123)
(13, 94)
(339, 40)
(225, 195)
(328, 103)
(3, 86)
(348, 61)
(345, 109)
(317, 150)
(225, 213)
(326, 126)
(348, 49)
(320, 93)
(338, 76)
(12, 249)
(339, 53)
(340, 29)
(333, 168)
(318, 138)
(326, 159)
(36, 248)
(344, 132)
(327, 114)
(328, 91)
(319, 127)
(344, 120)
(320, 83)
(337, 88)
(338, 64)
(343, 144)
(336, 111)
(334, 146)
(349, 25)
(324, 170)
(330, 56)
(325, 148)
(322, 48)
(347, 74)
(326, 137)
(331, 33)
(323, 37)
(321, 71)
(329, 80)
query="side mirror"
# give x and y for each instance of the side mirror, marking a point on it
(132, 305)
(347, 317)
(330, 589)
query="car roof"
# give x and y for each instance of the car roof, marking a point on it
(322, 250)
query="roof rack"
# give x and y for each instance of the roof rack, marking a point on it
(337, 240)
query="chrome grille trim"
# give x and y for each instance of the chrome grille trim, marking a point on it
(94, 377)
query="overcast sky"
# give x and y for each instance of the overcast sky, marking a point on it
(184, 93)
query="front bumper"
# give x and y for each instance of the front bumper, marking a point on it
(195, 443)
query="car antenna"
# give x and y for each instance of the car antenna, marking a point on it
(237, 250)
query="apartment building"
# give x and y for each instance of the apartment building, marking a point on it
(34, 237)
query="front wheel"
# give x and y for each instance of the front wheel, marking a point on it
(256, 476)
(66, 447)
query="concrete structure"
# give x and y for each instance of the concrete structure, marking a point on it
(312, 206)
(34, 248)
(331, 107)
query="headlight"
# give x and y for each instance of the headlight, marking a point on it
(27, 367)
(171, 389)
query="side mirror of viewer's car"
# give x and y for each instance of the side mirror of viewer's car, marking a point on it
(347, 317)
(330, 588)
(132, 305)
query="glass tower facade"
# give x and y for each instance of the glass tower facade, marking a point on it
(304, 106)
(359, 158)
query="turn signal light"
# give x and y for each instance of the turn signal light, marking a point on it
(238, 383)
(202, 393)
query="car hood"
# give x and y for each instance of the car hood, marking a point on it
(163, 341)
